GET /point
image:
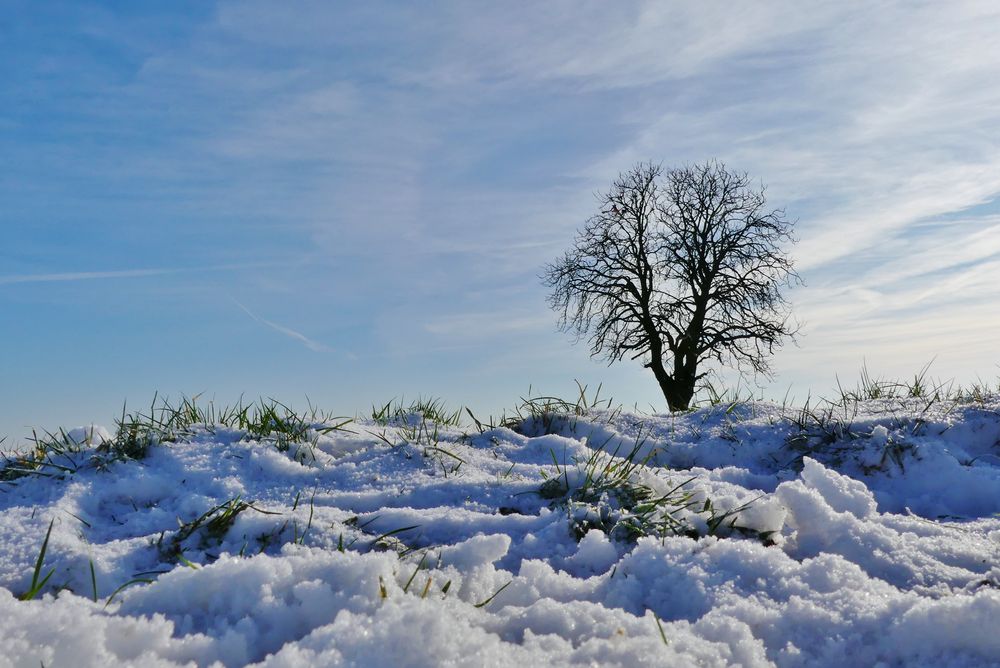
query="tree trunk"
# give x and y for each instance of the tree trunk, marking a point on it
(678, 390)
(678, 393)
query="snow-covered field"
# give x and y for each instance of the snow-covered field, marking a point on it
(754, 535)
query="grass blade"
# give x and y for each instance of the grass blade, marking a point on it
(483, 604)
(125, 586)
(660, 627)
(93, 580)
(36, 584)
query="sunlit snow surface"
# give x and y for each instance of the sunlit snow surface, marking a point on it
(885, 548)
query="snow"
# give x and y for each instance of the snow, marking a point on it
(865, 535)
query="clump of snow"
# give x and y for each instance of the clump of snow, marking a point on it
(595, 553)
(840, 492)
(92, 434)
(476, 551)
(880, 436)
(869, 536)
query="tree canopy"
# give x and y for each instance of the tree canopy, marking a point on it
(679, 268)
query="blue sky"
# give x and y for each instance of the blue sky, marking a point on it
(353, 201)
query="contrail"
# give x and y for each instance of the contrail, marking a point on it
(298, 336)
(123, 273)
(83, 276)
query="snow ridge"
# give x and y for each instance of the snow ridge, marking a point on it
(748, 537)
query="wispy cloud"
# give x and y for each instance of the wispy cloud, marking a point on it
(416, 167)
(287, 331)
(66, 277)
(487, 325)
(73, 276)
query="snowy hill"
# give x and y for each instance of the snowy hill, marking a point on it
(740, 534)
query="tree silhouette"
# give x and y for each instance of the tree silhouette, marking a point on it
(679, 268)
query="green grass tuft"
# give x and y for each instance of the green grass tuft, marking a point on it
(431, 410)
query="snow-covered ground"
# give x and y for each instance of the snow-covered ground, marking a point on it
(754, 535)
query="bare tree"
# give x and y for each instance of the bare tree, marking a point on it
(678, 269)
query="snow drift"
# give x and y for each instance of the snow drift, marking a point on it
(744, 534)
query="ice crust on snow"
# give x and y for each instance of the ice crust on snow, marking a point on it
(872, 540)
